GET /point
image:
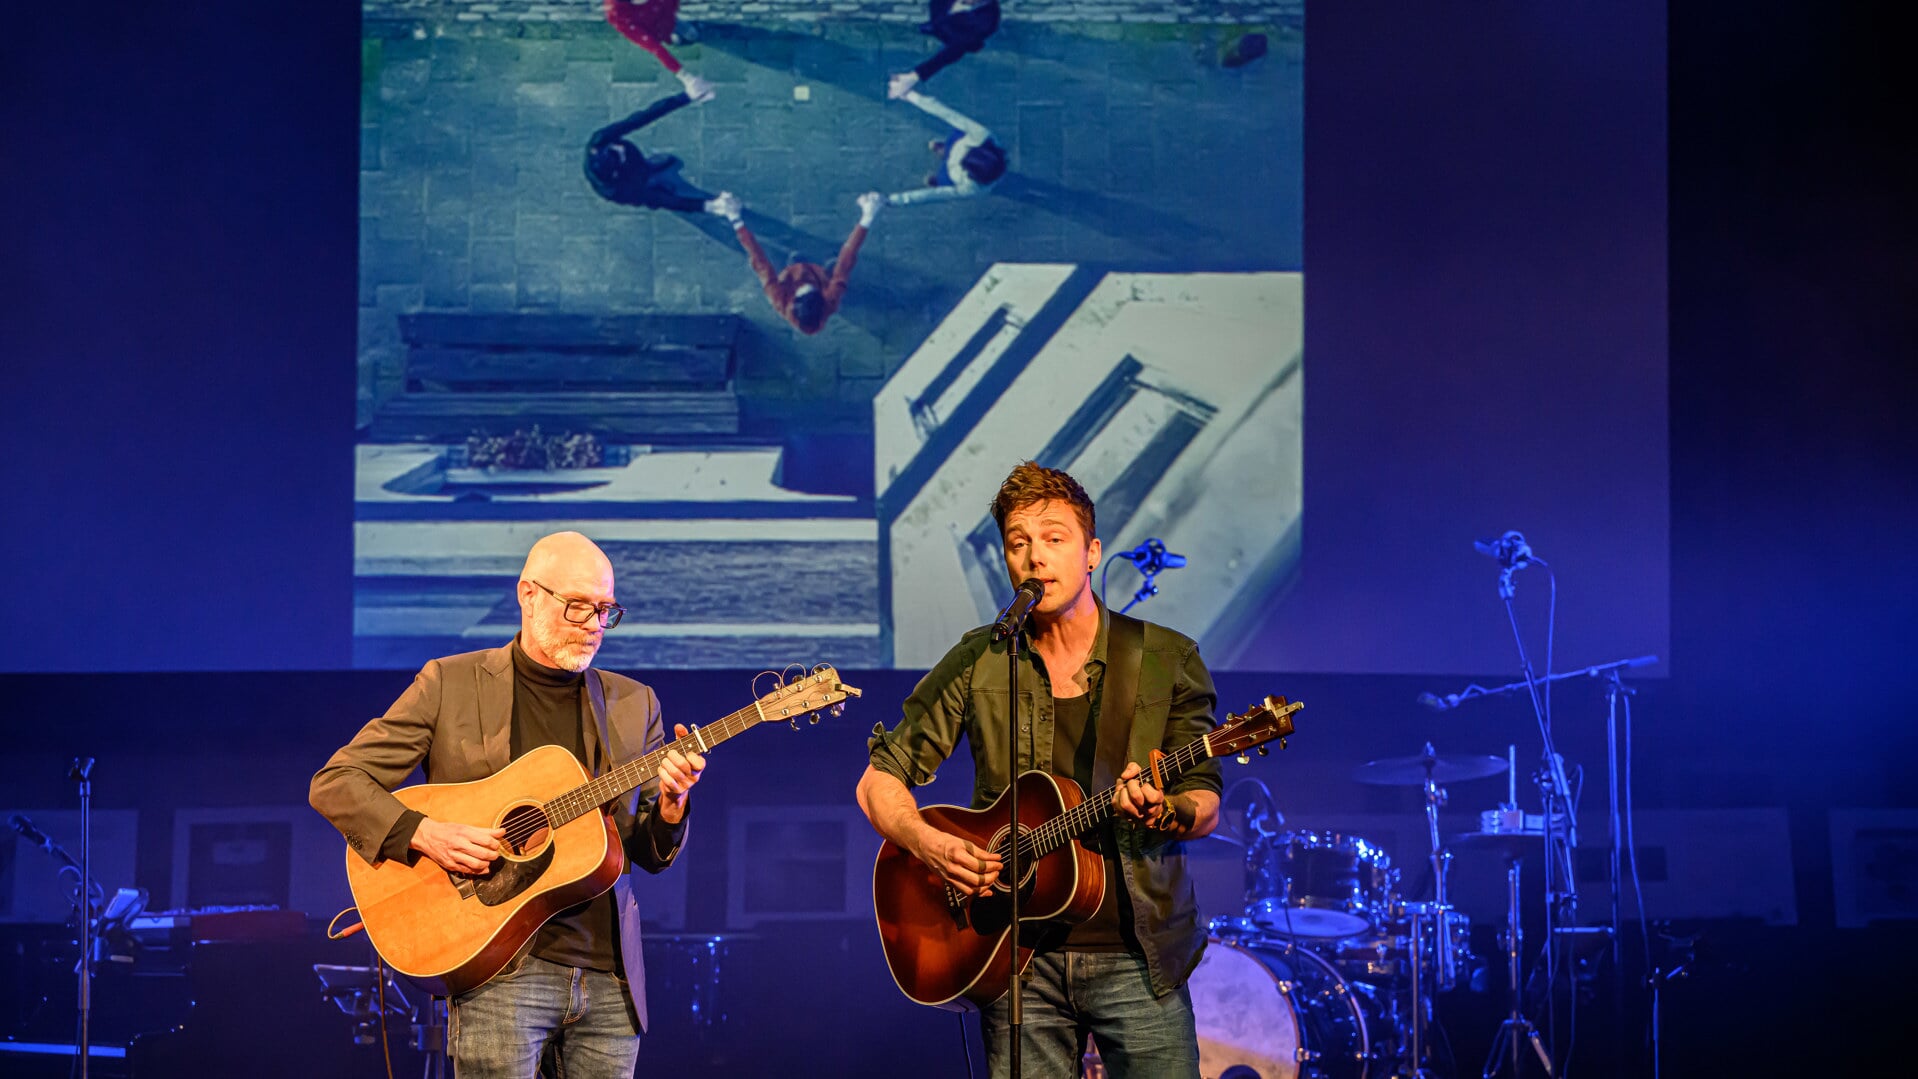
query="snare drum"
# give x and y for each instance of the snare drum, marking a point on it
(1234, 930)
(1318, 884)
(1281, 1013)
(1382, 957)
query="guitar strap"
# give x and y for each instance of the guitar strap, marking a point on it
(599, 751)
(1125, 654)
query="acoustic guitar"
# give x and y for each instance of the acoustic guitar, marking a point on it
(450, 932)
(950, 949)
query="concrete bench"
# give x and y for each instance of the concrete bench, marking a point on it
(622, 377)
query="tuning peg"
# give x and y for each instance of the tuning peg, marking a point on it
(838, 709)
(1243, 759)
(813, 720)
(793, 722)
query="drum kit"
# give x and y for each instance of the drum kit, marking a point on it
(1331, 971)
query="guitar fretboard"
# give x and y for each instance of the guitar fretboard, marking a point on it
(1097, 809)
(624, 777)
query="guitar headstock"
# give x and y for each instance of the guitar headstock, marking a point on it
(1257, 725)
(819, 691)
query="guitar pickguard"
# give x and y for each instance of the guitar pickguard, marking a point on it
(507, 879)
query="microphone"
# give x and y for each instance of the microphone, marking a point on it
(1511, 550)
(1437, 703)
(1015, 613)
(1152, 557)
(19, 823)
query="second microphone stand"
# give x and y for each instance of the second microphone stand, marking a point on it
(81, 773)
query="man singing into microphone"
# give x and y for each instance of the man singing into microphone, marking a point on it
(1120, 975)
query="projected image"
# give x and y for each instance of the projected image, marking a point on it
(767, 302)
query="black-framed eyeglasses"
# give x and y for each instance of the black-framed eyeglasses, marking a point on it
(579, 610)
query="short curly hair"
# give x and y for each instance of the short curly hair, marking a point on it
(1032, 482)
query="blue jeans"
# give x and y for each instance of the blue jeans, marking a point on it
(1107, 995)
(500, 1029)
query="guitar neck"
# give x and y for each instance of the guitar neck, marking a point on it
(626, 776)
(1096, 810)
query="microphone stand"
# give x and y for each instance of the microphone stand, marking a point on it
(1474, 692)
(1015, 1011)
(82, 773)
(1016, 1014)
(1615, 687)
(1147, 588)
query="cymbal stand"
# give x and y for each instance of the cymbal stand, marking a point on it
(1516, 1026)
(1416, 914)
(1441, 872)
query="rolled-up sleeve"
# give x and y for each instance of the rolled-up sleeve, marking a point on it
(934, 716)
(1194, 701)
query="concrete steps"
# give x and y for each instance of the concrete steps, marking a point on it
(716, 564)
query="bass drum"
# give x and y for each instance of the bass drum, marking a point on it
(1280, 1013)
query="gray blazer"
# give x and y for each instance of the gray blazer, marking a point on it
(456, 721)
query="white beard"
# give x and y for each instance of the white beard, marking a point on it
(565, 653)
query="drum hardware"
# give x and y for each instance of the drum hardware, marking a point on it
(1341, 947)
(1516, 1028)
(1558, 819)
(1427, 770)
(1322, 885)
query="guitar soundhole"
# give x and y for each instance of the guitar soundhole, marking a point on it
(526, 829)
(1002, 847)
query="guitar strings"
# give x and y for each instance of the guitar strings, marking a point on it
(624, 777)
(601, 789)
(1093, 811)
(1035, 843)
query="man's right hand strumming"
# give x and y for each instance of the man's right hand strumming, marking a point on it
(458, 848)
(965, 865)
(962, 863)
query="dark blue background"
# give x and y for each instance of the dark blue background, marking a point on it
(177, 206)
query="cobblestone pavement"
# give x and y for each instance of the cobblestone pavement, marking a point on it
(1130, 146)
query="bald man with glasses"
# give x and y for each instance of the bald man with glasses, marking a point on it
(578, 989)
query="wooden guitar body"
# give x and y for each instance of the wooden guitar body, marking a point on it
(451, 933)
(955, 952)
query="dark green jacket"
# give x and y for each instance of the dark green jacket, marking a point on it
(967, 694)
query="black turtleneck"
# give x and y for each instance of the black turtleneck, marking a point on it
(549, 710)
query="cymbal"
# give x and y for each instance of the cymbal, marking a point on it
(1412, 771)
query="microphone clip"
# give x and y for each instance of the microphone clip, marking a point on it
(1513, 554)
(1152, 558)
